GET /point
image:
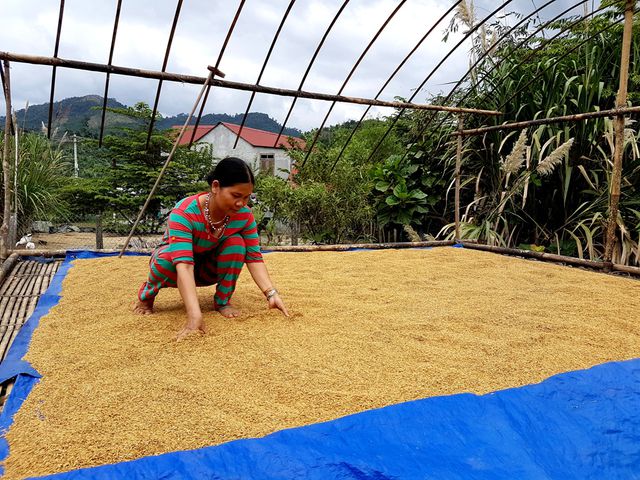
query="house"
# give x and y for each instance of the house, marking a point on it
(257, 147)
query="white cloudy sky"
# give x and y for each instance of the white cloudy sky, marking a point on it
(29, 27)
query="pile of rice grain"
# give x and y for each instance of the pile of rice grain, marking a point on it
(368, 329)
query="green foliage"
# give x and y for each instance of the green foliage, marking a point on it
(565, 208)
(126, 169)
(401, 185)
(42, 170)
(331, 202)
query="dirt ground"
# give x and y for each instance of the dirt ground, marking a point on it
(87, 240)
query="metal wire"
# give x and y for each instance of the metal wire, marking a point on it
(53, 74)
(264, 65)
(106, 85)
(164, 68)
(400, 65)
(217, 65)
(526, 59)
(353, 69)
(468, 35)
(304, 77)
(451, 93)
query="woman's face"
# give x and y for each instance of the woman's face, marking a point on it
(233, 198)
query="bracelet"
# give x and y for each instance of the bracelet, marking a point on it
(270, 293)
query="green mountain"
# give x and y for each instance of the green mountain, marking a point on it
(82, 115)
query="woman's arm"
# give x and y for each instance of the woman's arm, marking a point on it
(187, 289)
(260, 275)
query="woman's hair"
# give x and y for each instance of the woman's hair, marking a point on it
(231, 171)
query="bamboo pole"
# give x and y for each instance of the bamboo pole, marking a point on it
(7, 265)
(458, 165)
(212, 72)
(174, 77)
(552, 257)
(4, 229)
(545, 121)
(621, 100)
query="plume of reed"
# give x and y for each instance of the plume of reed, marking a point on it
(464, 11)
(514, 160)
(411, 233)
(548, 165)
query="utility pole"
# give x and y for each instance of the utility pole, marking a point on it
(75, 156)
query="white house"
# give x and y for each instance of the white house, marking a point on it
(263, 150)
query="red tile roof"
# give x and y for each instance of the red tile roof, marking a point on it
(201, 131)
(257, 138)
(262, 138)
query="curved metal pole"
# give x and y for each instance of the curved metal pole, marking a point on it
(400, 65)
(167, 161)
(487, 52)
(353, 69)
(304, 77)
(217, 69)
(462, 40)
(527, 58)
(53, 74)
(106, 85)
(164, 68)
(602, 30)
(264, 65)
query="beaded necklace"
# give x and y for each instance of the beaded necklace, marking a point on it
(217, 228)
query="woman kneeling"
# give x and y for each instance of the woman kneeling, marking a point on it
(209, 237)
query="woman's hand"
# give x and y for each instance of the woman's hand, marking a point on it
(276, 302)
(193, 325)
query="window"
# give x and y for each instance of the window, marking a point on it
(267, 163)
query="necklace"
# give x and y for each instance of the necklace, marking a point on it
(217, 228)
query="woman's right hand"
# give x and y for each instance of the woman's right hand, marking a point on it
(276, 302)
(193, 325)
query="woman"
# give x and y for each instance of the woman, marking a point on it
(209, 237)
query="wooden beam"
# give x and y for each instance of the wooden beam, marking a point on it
(545, 121)
(175, 77)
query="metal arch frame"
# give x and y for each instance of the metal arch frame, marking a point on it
(462, 40)
(217, 68)
(527, 58)
(505, 35)
(400, 65)
(353, 69)
(164, 68)
(53, 73)
(567, 53)
(485, 74)
(106, 85)
(264, 66)
(306, 73)
(545, 42)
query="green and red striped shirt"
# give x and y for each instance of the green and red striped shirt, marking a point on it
(187, 235)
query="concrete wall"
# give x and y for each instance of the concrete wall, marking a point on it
(221, 141)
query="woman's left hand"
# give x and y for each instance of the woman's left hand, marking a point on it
(276, 302)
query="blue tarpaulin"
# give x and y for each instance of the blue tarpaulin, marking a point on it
(577, 425)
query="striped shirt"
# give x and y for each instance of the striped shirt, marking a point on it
(187, 235)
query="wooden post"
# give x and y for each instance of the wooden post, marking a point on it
(99, 239)
(4, 229)
(458, 164)
(621, 101)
